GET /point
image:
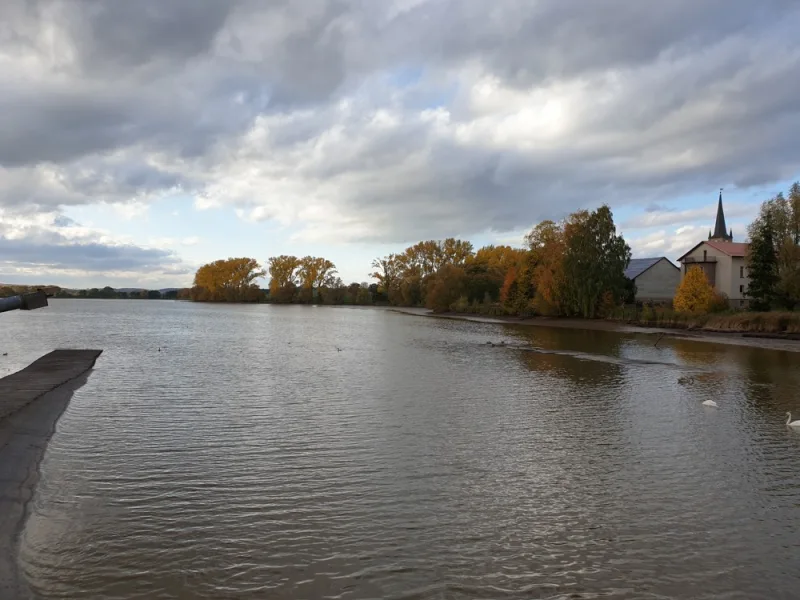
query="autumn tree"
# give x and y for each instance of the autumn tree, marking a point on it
(231, 280)
(315, 274)
(546, 244)
(694, 294)
(283, 277)
(387, 272)
(445, 288)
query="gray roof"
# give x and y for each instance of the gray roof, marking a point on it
(637, 266)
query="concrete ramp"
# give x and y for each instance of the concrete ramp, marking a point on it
(31, 402)
(46, 374)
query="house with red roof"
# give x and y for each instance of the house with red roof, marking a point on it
(723, 261)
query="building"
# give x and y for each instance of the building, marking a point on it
(656, 278)
(722, 260)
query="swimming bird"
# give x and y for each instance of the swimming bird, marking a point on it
(686, 380)
(338, 349)
(710, 403)
(789, 421)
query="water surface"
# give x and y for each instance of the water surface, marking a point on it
(302, 452)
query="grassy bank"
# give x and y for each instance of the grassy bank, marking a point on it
(731, 322)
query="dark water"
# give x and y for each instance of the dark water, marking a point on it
(252, 459)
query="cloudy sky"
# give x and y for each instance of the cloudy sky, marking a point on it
(141, 139)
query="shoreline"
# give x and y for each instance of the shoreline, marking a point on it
(30, 419)
(764, 341)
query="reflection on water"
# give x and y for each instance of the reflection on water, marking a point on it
(251, 459)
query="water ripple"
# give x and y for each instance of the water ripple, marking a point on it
(250, 459)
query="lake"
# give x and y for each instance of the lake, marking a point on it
(315, 452)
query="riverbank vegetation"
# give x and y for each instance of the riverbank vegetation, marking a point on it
(571, 268)
(774, 254)
(105, 293)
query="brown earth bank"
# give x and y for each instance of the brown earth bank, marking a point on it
(31, 402)
(767, 340)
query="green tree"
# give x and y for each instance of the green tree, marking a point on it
(595, 259)
(762, 264)
(780, 217)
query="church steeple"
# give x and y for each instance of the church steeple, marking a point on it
(720, 230)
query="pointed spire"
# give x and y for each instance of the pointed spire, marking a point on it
(720, 229)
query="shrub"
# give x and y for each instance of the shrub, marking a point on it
(695, 294)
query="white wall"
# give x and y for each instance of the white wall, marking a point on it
(659, 282)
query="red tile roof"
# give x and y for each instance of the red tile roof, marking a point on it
(730, 248)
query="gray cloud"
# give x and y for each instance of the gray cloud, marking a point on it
(310, 112)
(83, 257)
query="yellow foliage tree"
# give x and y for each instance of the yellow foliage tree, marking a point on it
(283, 277)
(231, 280)
(695, 294)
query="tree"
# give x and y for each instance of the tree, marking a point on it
(778, 219)
(283, 277)
(694, 294)
(455, 252)
(547, 248)
(595, 259)
(762, 264)
(445, 288)
(315, 274)
(231, 280)
(387, 272)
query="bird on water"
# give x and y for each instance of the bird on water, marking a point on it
(789, 421)
(710, 403)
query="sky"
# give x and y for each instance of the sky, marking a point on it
(139, 140)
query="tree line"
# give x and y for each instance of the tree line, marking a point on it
(774, 253)
(571, 268)
(106, 292)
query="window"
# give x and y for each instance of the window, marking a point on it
(705, 255)
(741, 289)
(741, 272)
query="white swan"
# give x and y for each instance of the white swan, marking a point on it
(789, 421)
(710, 403)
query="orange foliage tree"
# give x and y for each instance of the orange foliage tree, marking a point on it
(695, 294)
(231, 280)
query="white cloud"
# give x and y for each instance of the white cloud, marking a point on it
(131, 210)
(394, 121)
(704, 214)
(670, 243)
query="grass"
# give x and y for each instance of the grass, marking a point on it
(728, 321)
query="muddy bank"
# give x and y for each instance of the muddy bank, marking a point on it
(31, 402)
(755, 340)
